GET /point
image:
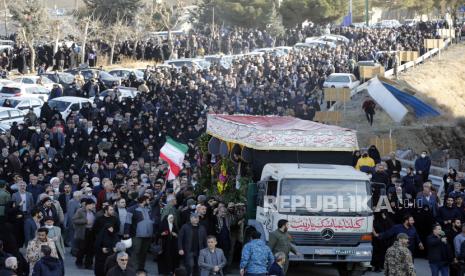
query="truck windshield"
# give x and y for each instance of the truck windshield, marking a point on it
(333, 197)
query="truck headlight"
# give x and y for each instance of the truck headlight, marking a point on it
(363, 253)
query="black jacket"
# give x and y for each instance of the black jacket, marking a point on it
(438, 252)
(117, 271)
(185, 238)
(48, 266)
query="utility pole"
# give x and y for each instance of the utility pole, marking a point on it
(366, 13)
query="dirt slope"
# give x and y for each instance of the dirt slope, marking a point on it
(441, 83)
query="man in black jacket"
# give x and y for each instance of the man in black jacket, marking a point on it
(394, 166)
(122, 269)
(192, 238)
(438, 252)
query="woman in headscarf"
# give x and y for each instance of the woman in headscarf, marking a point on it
(381, 224)
(104, 245)
(355, 157)
(168, 235)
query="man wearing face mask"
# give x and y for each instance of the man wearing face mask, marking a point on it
(54, 233)
(50, 151)
(423, 164)
(281, 241)
(97, 187)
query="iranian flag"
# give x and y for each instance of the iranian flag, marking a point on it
(173, 153)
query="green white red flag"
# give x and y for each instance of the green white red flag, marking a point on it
(173, 153)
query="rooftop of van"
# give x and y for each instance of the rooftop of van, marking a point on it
(293, 170)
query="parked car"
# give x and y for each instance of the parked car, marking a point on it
(62, 78)
(387, 24)
(47, 83)
(335, 38)
(124, 73)
(65, 105)
(4, 128)
(29, 90)
(341, 80)
(123, 93)
(25, 103)
(315, 44)
(4, 82)
(106, 79)
(285, 49)
(410, 22)
(272, 51)
(195, 63)
(10, 115)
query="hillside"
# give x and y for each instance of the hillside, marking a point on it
(441, 83)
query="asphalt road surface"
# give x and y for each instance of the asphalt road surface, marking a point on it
(421, 265)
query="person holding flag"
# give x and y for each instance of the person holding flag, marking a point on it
(173, 153)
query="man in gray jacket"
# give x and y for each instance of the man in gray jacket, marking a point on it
(211, 259)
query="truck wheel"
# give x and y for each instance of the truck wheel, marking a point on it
(343, 270)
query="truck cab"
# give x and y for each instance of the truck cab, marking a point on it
(328, 208)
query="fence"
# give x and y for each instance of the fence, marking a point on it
(419, 60)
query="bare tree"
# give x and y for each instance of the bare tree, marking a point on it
(114, 33)
(88, 25)
(167, 16)
(142, 23)
(32, 20)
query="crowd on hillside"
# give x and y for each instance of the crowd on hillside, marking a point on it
(364, 42)
(85, 182)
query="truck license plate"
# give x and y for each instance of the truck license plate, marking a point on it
(345, 252)
(324, 251)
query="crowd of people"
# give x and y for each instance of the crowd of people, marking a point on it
(93, 181)
(414, 200)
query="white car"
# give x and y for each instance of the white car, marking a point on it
(4, 82)
(29, 90)
(10, 115)
(4, 128)
(388, 24)
(410, 22)
(46, 82)
(315, 44)
(124, 73)
(272, 51)
(335, 38)
(285, 49)
(341, 80)
(179, 63)
(123, 93)
(25, 103)
(65, 105)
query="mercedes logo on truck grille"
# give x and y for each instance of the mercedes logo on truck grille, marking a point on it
(327, 234)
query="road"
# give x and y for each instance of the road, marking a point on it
(421, 265)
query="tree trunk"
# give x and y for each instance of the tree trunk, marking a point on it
(134, 51)
(57, 39)
(112, 52)
(84, 42)
(170, 43)
(33, 57)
